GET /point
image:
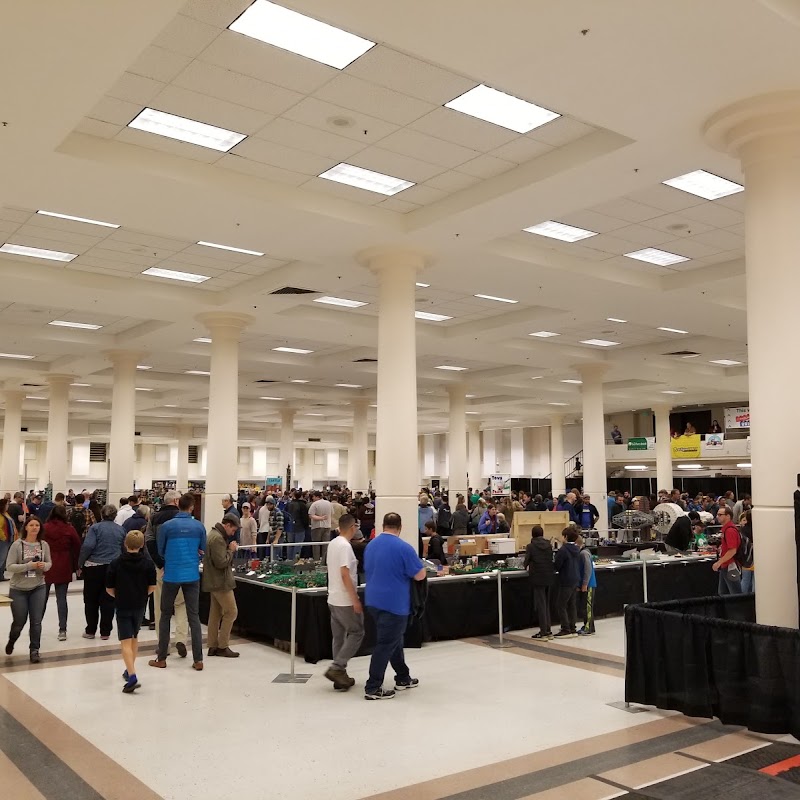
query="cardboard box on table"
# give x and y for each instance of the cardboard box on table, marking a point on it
(472, 544)
(553, 523)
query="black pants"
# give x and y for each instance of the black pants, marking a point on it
(541, 604)
(567, 607)
(97, 602)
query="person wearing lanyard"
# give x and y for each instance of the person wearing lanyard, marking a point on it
(28, 560)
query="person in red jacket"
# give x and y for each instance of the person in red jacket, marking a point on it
(65, 545)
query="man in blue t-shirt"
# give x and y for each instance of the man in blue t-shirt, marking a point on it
(390, 565)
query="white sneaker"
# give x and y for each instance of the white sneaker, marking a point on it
(62, 636)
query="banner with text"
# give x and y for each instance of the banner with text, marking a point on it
(500, 484)
(737, 417)
(642, 443)
(686, 446)
(714, 444)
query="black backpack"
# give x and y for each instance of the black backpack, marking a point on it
(744, 553)
(444, 519)
(78, 521)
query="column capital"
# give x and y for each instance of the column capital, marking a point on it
(661, 408)
(742, 128)
(360, 402)
(121, 358)
(288, 413)
(225, 322)
(59, 379)
(592, 370)
(389, 258)
(456, 389)
(556, 420)
(13, 394)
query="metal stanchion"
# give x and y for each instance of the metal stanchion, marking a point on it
(292, 676)
(644, 578)
(501, 643)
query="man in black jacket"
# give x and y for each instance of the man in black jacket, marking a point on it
(567, 563)
(680, 534)
(539, 563)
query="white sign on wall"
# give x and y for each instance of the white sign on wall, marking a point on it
(737, 417)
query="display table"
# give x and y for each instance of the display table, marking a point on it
(462, 606)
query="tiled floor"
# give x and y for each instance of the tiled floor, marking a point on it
(530, 721)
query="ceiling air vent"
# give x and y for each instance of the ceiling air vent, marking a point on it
(294, 290)
(34, 385)
(683, 353)
(194, 454)
(265, 380)
(366, 361)
(314, 440)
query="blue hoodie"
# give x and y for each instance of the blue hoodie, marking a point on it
(425, 513)
(179, 541)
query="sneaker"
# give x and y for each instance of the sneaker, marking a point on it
(543, 636)
(585, 632)
(35, 657)
(157, 664)
(411, 684)
(181, 648)
(105, 637)
(125, 675)
(62, 636)
(379, 694)
(131, 686)
(88, 635)
(10, 647)
(565, 635)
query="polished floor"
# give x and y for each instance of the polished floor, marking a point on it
(513, 723)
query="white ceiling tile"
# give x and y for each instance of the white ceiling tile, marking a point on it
(636, 266)
(419, 145)
(629, 210)
(486, 166)
(721, 240)
(323, 143)
(158, 63)
(575, 250)
(737, 229)
(422, 195)
(97, 269)
(410, 76)
(260, 267)
(187, 36)
(211, 110)
(715, 215)
(689, 247)
(610, 244)
(666, 198)
(95, 127)
(59, 234)
(319, 114)
(453, 126)
(43, 242)
(146, 239)
(590, 221)
(401, 206)
(277, 155)
(15, 215)
(7, 227)
(342, 190)
(219, 13)
(247, 167)
(118, 112)
(734, 201)
(112, 263)
(218, 255)
(396, 165)
(234, 87)
(641, 235)
(521, 149)
(561, 131)
(153, 141)
(135, 88)
(452, 181)
(677, 225)
(189, 256)
(350, 92)
(251, 57)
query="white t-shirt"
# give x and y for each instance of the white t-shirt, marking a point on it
(340, 554)
(321, 508)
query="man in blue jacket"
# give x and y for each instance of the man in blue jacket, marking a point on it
(182, 544)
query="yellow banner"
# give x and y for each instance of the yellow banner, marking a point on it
(686, 446)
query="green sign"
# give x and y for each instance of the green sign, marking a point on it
(637, 444)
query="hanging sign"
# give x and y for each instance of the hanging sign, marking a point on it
(500, 484)
(686, 446)
(642, 443)
(737, 417)
(714, 444)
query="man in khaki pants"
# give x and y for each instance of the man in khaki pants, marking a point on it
(167, 512)
(219, 582)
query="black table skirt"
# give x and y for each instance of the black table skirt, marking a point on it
(459, 610)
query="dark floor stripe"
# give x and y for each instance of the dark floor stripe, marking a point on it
(552, 777)
(564, 653)
(51, 776)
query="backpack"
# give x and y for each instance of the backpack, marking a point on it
(288, 522)
(444, 520)
(744, 553)
(78, 521)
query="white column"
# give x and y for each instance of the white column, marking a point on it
(664, 476)
(457, 444)
(396, 438)
(474, 455)
(286, 457)
(595, 478)
(358, 455)
(145, 472)
(557, 472)
(489, 453)
(58, 432)
(223, 409)
(306, 474)
(12, 422)
(182, 466)
(518, 452)
(764, 132)
(123, 424)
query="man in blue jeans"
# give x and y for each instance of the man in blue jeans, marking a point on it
(182, 544)
(390, 565)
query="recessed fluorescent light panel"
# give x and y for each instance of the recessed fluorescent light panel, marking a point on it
(498, 299)
(339, 301)
(36, 252)
(470, 412)
(77, 219)
(297, 350)
(16, 356)
(560, 231)
(88, 401)
(452, 369)
(298, 381)
(173, 275)
(502, 109)
(654, 256)
(34, 397)
(186, 130)
(726, 362)
(270, 398)
(300, 34)
(86, 326)
(572, 380)
(690, 466)
(349, 385)
(636, 467)
(544, 334)
(143, 366)
(143, 389)
(537, 377)
(671, 391)
(705, 184)
(600, 342)
(672, 330)
(170, 405)
(423, 285)
(365, 179)
(558, 404)
(195, 372)
(744, 466)
(232, 249)
(614, 319)
(202, 340)
(427, 315)
(313, 414)
(80, 384)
